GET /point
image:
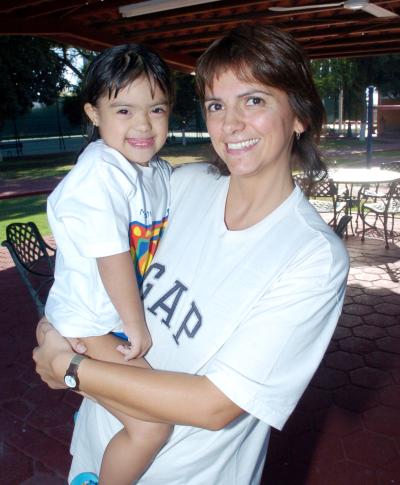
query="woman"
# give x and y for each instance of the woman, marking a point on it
(246, 288)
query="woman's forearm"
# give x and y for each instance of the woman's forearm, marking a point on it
(151, 395)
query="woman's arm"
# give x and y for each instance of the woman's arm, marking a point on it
(147, 394)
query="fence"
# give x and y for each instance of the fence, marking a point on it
(46, 130)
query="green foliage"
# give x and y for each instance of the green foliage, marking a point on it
(384, 72)
(72, 107)
(31, 72)
(186, 101)
(354, 76)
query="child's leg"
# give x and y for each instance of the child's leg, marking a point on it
(132, 449)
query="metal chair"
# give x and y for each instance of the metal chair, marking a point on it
(33, 258)
(394, 166)
(323, 195)
(341, 227)
(383, 208)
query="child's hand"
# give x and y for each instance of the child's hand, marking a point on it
(77, 345)
(139, 342)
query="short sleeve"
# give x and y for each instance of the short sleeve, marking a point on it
(95, 212)
(265, 366)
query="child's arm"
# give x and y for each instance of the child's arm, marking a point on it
(119, 279)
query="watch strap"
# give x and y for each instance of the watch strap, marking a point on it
(73, 369)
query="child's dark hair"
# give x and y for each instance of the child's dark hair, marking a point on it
(117, 67)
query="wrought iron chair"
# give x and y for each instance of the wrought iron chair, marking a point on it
(395, 166)
(384, 208)
(376, 191)
(33, 258)
(341, 227)
(323, 195)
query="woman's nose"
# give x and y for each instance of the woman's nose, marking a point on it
(233, 121)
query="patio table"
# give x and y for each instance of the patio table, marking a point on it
(363, 176)
(360, 178)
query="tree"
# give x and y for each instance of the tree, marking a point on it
(31, 71)
(186, 102)
(354, 76)
(72, 103)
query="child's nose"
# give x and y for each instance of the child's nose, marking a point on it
(142, 122)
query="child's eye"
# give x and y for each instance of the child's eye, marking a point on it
(159, 110)
(122, 111)
(254, 101)
(212, 107)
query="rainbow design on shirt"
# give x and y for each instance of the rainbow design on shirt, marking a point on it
(143, 241)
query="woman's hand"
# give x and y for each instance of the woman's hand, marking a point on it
(52, 356)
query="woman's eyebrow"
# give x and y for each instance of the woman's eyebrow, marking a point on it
(241, 95)
(211, 98)
(254, 91)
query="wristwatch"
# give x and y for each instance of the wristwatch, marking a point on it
(71, 376)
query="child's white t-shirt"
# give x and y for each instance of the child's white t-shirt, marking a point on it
(104, 206)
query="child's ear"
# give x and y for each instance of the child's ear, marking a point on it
(91, 113)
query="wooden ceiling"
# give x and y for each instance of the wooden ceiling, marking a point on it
(180, 35)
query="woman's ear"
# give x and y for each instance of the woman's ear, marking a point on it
(299, 127)
(91, 113)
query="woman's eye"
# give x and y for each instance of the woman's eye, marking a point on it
(254, 101)
(214, 107)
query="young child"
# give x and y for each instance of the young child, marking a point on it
(113, 206)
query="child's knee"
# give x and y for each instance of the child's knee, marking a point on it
(146, 431)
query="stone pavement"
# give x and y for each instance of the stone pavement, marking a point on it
(345, 430)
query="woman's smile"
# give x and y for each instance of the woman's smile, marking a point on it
(233, 147)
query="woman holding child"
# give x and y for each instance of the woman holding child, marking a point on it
(245, 290)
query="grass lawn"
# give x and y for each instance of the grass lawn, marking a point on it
(343, 151)
(24, 209)
(36, 172)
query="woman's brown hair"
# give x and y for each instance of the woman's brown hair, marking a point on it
(274, 58)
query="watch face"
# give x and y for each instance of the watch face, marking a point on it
(70, 381)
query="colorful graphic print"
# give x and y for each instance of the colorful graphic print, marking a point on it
(143, 241)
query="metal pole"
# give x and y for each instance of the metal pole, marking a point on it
(61, 141)
(340, 110)
(370, 124)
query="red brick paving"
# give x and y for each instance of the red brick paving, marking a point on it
(345, 430)
(21, 187)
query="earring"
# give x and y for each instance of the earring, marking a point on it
(298, 135)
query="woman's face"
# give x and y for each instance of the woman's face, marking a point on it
(251, 125)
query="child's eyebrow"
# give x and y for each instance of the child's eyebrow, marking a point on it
(118, 104)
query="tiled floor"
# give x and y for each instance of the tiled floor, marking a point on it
(345, 431)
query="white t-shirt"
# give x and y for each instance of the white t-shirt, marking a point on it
(253, 310)
(104, 206)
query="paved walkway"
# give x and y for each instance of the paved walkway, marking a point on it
(345, 430)
(22, 187)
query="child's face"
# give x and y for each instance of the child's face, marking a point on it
(135, 123)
